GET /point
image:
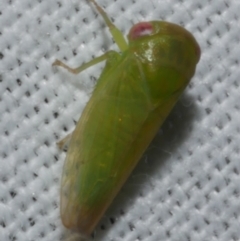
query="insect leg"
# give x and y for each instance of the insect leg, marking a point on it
(116, 33)
(64, 141)
(83, 66)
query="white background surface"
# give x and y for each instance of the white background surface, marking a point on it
(185, 188)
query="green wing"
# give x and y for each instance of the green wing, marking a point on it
(114, 130)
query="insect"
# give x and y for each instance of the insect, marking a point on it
(134, 94)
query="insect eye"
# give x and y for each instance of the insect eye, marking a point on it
(140, 29)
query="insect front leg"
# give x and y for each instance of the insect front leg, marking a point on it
(116, 33)
(83, 66)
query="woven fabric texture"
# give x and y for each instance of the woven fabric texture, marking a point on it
(186, 186)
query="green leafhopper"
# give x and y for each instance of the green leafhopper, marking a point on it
(133, 96)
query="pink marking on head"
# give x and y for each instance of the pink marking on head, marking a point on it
(140, 29)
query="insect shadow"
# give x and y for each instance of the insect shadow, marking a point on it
(175, 130)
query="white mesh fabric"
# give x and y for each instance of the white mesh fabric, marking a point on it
(185, 188)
